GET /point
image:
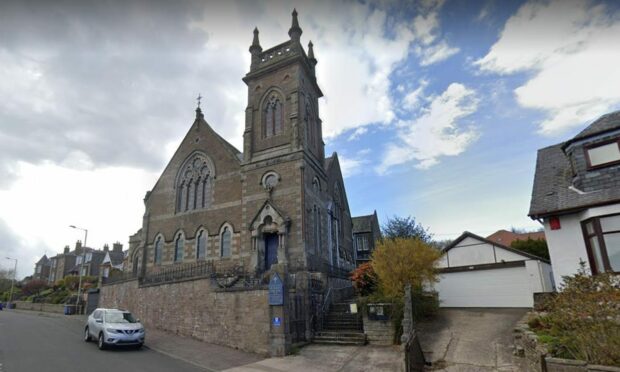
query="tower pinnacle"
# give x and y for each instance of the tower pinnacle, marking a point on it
(295, 31)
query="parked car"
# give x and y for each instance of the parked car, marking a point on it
(114, 327)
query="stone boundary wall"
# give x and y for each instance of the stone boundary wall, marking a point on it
(378, 332)
(46, 308)
(535, 354)
(238, 319)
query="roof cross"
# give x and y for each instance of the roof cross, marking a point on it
(198, 99)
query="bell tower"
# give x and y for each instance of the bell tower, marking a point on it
(282, 115)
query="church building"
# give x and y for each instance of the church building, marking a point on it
(246, 249)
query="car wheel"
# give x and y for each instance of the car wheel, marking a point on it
(86, 335)
(139, 346)
(100, 342)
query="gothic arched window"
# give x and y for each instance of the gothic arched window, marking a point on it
(201, 245)
(225, 242)
(194, 184)
(273, 119)
(179, 246)
(159, 246)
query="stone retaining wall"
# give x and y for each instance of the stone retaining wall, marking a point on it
(238, 319)
(46, 308)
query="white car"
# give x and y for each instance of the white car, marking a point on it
(114, 327)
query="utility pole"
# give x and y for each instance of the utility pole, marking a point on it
(77, 301)
(12, 282)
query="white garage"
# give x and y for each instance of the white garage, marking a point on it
(476, 272)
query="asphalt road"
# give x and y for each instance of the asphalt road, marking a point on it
(36, 342)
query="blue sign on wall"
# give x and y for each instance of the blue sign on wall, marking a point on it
(276, 290)
(277, 321)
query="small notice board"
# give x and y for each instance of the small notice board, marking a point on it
(276, 290)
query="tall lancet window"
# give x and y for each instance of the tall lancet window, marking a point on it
(273, 116)
(193, 184)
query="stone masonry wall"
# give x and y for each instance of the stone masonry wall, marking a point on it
(237, 319)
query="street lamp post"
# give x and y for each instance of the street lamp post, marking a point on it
(13, 282)
(81, 264)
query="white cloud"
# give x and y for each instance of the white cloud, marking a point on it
(573, 50)
(357, 133)
(436, 53)
(351, 166)
(436, 133)
(412, 99)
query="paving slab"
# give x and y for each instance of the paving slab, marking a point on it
(471, 339)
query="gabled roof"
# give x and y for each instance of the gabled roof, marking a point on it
(114, 258)
(362, 223)
(468, 234)
(43, 261)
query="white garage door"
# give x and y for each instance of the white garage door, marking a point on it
(505, 287)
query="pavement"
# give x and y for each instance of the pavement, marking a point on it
(210, 357)
(471, 340)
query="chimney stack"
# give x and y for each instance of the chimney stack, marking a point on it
(66, 249)
(117, 247)
(106, 247)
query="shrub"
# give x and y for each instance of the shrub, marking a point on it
(583, 320)
(400, 261)
(364, 279)
(34, 287)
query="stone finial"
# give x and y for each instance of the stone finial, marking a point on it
(255, 48)
(295, 31)
(311, 53)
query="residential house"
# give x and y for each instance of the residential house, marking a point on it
(42, 269)
(366, 232)
(576, 196)
(506, 237)
(478, 272)
(113, 259)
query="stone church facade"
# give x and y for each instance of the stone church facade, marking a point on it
(280, 201)
(220, 223)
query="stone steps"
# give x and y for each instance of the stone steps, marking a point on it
(340, 338)
(341, 327)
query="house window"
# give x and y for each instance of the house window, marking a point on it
(179, 245)
(273, 117)
(201, 245)
(601, 155)
(159, 246)
(361, 243)
(225, 242)
(602, 235)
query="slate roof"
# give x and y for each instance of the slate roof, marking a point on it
(603, 124)
(116, 258)
(362, 224)
(43, 261)
(552, 192)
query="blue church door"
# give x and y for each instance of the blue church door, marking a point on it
(271, 250)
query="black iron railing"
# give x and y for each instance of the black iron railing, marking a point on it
(194, 270)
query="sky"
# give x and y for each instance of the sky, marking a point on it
(435, 108)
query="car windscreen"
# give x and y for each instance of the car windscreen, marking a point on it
(118, 317)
